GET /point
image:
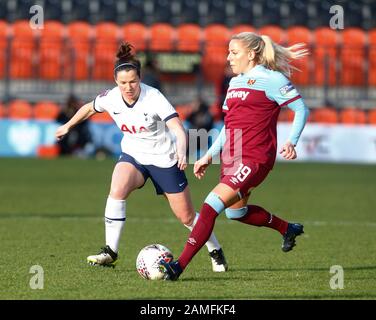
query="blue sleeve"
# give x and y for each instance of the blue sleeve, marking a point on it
(300, 119)
(216, 147)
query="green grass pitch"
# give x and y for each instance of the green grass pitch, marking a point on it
(51, 215)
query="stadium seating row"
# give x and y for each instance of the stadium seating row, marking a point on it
(310, 13)
(83, 51)
(48, 110)
(19, 109)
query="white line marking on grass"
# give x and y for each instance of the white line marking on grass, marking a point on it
(130, 219)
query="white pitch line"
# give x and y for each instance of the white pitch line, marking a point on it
(135, 219)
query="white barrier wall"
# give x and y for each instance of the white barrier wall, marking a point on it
(333, 143)
(318, 142)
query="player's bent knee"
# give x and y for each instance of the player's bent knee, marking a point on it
(186, 218)
(236, 213)
(118, 193)
(215, 202)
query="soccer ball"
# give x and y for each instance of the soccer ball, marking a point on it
(148, 259)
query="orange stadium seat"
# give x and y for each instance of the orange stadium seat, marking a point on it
(216, 39)
(353, 57)
(3, 46)
(20, 109)
(372, 57)
(189, 37)
(372, 116)
(183, 110)
(22, 50)
(352, 115)
(101, 117)
(324, 115)
(276, 33)
(51, 50)
(3, 111)
(286, 115)
(137, 34)
(325, 56)
(46, 110)
(242, 28)
(216, 35)
(162, 37)
(79, 35)
(105, 46)
(298, 34)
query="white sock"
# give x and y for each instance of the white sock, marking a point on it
(114, 218)
(212, 243)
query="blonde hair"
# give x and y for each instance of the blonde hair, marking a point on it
(270, 54)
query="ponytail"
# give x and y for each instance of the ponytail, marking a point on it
(272, 55)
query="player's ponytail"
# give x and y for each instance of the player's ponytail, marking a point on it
(126, 59)
(270, 54)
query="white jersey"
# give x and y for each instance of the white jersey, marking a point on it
(146, 137)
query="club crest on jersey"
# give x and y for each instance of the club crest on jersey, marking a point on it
(286, 89)
(251, 82)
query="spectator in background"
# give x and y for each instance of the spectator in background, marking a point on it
(150, 74)
(222, 91)
(200, 118)
(78, 141)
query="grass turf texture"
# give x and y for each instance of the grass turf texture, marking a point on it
(51, 214)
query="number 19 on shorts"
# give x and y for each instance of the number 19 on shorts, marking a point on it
(241, 173)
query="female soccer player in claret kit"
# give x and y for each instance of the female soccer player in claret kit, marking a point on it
(249, 140)
(149, 150)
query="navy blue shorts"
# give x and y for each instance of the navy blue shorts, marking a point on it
(165, 180)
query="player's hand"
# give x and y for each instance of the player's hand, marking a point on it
(182, 161)
(288, 151)
(61, 132)
(200, 166)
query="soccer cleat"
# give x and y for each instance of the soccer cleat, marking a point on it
(172, 270)
(218, 260)
(293, 230)
(105, 258)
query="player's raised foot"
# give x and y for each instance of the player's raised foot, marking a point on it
(218, 260)
(293, 230)
(105, 258)
(172, 270)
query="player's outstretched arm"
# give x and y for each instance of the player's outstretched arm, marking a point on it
(300, 118)
(82, 114)
(288, 151)
(200, 166)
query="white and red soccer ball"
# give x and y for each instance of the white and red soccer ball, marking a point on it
(148, 260)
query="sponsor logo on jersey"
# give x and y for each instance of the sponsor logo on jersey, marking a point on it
(237, 94)
(133, 129)
(286, 89)
(251, 82)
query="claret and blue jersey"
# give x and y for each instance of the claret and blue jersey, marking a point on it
(252, 104)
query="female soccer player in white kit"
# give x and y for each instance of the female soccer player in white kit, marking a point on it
(149, 149)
